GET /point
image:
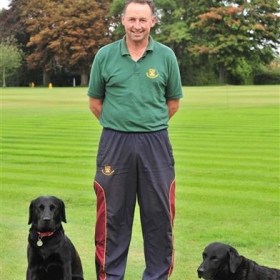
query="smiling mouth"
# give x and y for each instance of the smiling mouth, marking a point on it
(139, 31)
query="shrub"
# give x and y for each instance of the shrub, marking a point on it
(267, 78)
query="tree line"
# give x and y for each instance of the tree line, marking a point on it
(215, 41)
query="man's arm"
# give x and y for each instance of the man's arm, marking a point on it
(173, 106)
(95, 105)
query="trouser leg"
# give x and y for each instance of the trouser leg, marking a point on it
(156, 196)
(115, 189)
(126, 164)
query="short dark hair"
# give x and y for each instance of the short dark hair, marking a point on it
(149, 2)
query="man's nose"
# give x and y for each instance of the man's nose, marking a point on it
(137, 24)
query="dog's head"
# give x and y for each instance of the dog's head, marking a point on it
(46, 213)
(218, 260)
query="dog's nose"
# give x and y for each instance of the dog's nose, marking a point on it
(200, 272)
(46, 219)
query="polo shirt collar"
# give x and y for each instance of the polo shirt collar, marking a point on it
(125, 51)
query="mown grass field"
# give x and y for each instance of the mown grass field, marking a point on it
(226, 147)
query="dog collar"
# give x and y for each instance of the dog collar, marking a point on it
(41, 235)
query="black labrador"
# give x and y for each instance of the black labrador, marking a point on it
(222, 262)
(51, 255)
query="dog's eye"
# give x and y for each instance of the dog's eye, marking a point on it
(214, 259)
(41, 207)
(52, 207)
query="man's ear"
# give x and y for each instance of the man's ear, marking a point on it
(154, 20)
(122, 19)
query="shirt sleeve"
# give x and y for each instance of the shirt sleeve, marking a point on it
(96, 87)
(174, 86)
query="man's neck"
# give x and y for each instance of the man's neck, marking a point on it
(137, 49)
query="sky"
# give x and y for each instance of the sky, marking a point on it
(4, 4)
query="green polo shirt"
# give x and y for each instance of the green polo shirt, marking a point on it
(134, 93)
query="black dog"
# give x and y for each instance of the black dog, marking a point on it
(51, 254)
(222, 262)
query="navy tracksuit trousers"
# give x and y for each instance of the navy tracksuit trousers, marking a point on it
(130, 167)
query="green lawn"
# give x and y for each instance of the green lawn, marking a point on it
(226, 147)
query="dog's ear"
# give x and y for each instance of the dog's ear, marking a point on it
(234, 260)
(30, 220)
(63, 215)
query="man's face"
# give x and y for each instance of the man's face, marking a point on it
(138, 21)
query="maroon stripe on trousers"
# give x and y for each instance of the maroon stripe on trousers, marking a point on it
(100, 230)
(172, 216)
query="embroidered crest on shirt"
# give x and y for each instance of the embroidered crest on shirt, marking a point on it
(107, 170)
(152, 74)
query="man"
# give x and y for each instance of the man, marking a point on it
(134, 90)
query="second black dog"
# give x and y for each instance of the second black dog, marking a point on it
(51, 254)
(222, 262)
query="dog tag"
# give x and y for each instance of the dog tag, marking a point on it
(39, 243)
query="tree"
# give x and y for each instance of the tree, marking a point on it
(10, 58)
(238, 34)
(64, 34)
(231, 38)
